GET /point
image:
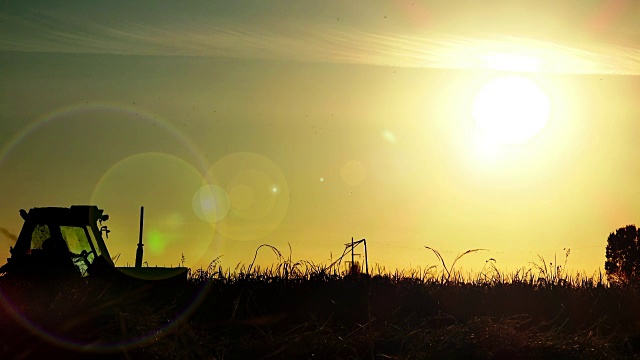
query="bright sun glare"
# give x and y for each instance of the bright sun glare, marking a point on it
(509, 110)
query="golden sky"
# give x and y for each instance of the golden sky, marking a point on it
(311, 123)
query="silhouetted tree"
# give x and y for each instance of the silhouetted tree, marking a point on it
(623, 255)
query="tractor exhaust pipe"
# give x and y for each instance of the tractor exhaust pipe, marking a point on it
(139, 251)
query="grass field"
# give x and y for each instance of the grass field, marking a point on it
(300, 310)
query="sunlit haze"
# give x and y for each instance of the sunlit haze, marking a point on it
(510, 126)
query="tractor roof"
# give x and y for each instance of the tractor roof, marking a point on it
(76, 215)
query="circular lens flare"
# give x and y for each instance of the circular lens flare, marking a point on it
(92, 123)
(258, 195)
(164, 185)
(241, 197)
(211, 203)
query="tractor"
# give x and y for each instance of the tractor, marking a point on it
(68, 242)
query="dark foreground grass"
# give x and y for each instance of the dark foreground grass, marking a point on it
(305, 311)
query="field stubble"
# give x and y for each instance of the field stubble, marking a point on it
(306, 310)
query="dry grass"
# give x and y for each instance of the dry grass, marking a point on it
(299, 309)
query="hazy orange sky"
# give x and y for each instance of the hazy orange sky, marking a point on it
(320, 121)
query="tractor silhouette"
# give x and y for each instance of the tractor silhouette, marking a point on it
(63, 242)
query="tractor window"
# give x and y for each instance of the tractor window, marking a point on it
(39, 235)
(77, 240)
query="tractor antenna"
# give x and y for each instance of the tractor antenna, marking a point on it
(139, 251)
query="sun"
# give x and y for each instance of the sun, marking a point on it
(509, 110)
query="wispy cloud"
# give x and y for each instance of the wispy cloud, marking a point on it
(429, 49)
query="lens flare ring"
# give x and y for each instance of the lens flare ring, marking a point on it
(258, 195)
(5, 151)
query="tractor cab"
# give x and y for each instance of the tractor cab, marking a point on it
(60, 241)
